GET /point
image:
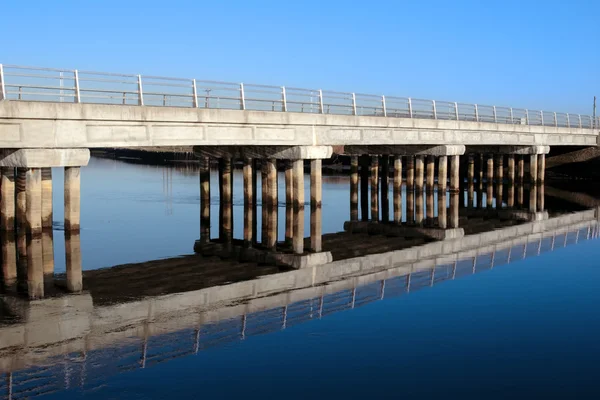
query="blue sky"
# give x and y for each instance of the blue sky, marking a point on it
(530, 54)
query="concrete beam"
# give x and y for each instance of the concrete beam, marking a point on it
(521, 150)
(41, 158)
(272, 152)
(410, 150)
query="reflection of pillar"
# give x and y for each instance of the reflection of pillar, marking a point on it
(205, 199)
(72, 198)
(429, 208)
(35, 268)
(316, 195)
(419, 173)
(454, 173)
(364, 187)
(73, 257)
(533, 166)
(353, 188)
(540, 198)
(248, 201)
(375, 188)
(398, 189)
(520, 195)
(541, 168)
(47, 198)
(298, 239)
(21, 198)
(533, 198)
(34, 200)
(22, 285)
(442, 173)
(48, 256)
(454, 210)
(9, 259)
(289, 202)
(442, 210)
(430, 173)
(385, 189)
(419, 207)
(226, 186)
(7, 202)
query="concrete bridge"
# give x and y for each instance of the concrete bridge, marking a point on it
(92, 338)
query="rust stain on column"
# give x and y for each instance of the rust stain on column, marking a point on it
(7, 202)
(248, 201)
(289, 202)
(72, 198)
(316, 195)
(375, 188)
(364, 187)
(298, 239)
(47, 198)
(34, 201)
(205, 199)
(398, 189)
(73, 257)
(385, 188)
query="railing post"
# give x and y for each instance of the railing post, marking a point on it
(77, 93)
(383, 106)
(495, 115)
(512, 120)
(555, 121)
(353, 103)
(2, 86)
(410, 107)
(195, 94)
(242, 97)
(283, 99)
(579, 115)
(542, 115)
(321, 109)
(476, 113)
(140, 91)
(434, 109)
(456, 110)
(526, 117)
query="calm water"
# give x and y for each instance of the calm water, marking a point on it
(520, 319)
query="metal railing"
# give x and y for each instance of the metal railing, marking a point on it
(59, 85)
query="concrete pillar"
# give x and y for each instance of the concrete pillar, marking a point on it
(541, 168)
(480, 173)
(470, 194)
(520, 195)
(470, 180)
(364, 187)
(48, 257)
(375, 188)
(21, 199)
(410, 190)
(533, 198)
(454, 201)
(419, 170)
(398, 189)
(7, 202)
(289, 203)
(533, 168)
(385, 188)
(419, 207)
(265, 204)
(442, 173)
(226, 200)
(271, 203)
(316, 195)
(353, 188)
(34, 200)
(490, 194)
(248, 201)
(9, 259)
(73, 258)
(442, 210)
(255, 168)
(298, 175)
(540, 198)
(454, 173)
(430, 181)
(35, 267)
(205, 199)
(22, 285)
(499, 180)
(47, 214)
(429, 210)
(72, 198)
(490, 169)
(511, 169)
(520, 169)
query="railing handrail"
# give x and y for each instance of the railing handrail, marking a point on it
(16, 83)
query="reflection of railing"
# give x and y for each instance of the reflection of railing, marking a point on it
(47, 84)
(91, 370)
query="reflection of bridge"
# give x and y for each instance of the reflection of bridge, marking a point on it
(75, 340)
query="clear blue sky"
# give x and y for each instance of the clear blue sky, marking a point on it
(534, 54)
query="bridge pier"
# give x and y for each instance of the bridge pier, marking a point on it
(47, 205)
(289, 202)
(375, 188)
(398, 189)
(316, 195)
(249, 194)
(385, 180)
(353, 188)
(205, 199)
(7, 199)
(73, 261)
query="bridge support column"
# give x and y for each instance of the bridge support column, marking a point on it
(429, 208)
(289, 202)
(316, 195)
(35, 267)
(510, 202)
(7, 199)
(470, 180)
(533, 199)
(541, 167)
(353, 188)
(72, 198)
(410, 189)
(442, 173)
(298, 237)
(204, 199)
(454, 173)
(34, 201)
(47, 214)
(419, 212)
(248, 171)
(520, 169)
(21, 199)
(398, 189)
(480, 173)
(419, 170)
(454, 216)
(364, 187)
(272, 202)
(375, 188)
(533, 166)
(499, 180)
(430, 173)
(48, 257)
(385, 188)
(226, 200)
(9, 258)
(73, 262)
(442, 210)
